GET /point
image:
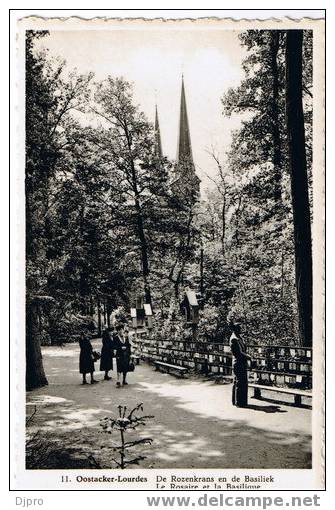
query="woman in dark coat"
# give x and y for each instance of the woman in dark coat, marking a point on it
(106, 361)
(240, 368)
(123, 352)
(86, 363)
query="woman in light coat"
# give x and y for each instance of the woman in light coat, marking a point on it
(123, 351)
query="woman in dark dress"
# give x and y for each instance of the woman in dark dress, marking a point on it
(106, 361)
(123, 352)
(86, 363)
(240, 368)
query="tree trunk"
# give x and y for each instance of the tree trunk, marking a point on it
(144, 252)
(277, 156)
(99, 316)
(140, 224)
(177, 281)
(223, 233)
(202, 270)
(109, 311)
(35, 376)
(237, 221)
(282, 276)
(299, 183)
(104, 312)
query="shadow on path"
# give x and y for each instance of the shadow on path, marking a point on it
(266, 409)
(194, 425)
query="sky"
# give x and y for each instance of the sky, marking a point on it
(154, 60)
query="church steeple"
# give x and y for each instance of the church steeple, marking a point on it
(186, 182)
(184, 150)
(158, 142)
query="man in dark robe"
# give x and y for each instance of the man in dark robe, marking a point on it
(240, 368)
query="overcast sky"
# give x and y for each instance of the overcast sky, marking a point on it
(154, 60)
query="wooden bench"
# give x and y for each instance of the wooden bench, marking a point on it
(168, 367)
(298, 394)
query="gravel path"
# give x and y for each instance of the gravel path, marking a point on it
(194, 424)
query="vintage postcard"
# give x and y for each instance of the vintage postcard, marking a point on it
(170, 218)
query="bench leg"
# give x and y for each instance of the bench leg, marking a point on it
(297, 400)
(257, 393)
(177, 373)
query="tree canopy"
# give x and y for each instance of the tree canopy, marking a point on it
(109, 218)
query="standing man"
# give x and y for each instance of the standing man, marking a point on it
(240, 368)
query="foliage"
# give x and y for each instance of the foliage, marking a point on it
(121, 316)
(108, 218)
(259, 240)
(50, 99)
(102, 221)
(212, 325)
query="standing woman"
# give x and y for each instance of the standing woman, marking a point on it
(86, 363)
(123, 352)
(240, 368)
(106, 361)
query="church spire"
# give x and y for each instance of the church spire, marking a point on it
(158, 142)
(184, 150)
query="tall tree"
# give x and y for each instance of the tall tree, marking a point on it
(299, 183)
(127, 140)
(37, 100)
(49, 101)
(260, 240)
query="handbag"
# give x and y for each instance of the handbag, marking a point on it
(131, 366)
(96, 355)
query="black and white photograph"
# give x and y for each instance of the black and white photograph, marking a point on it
(172, 215)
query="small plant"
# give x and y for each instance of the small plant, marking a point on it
(124, 423)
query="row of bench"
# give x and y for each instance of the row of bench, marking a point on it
(258, 388)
